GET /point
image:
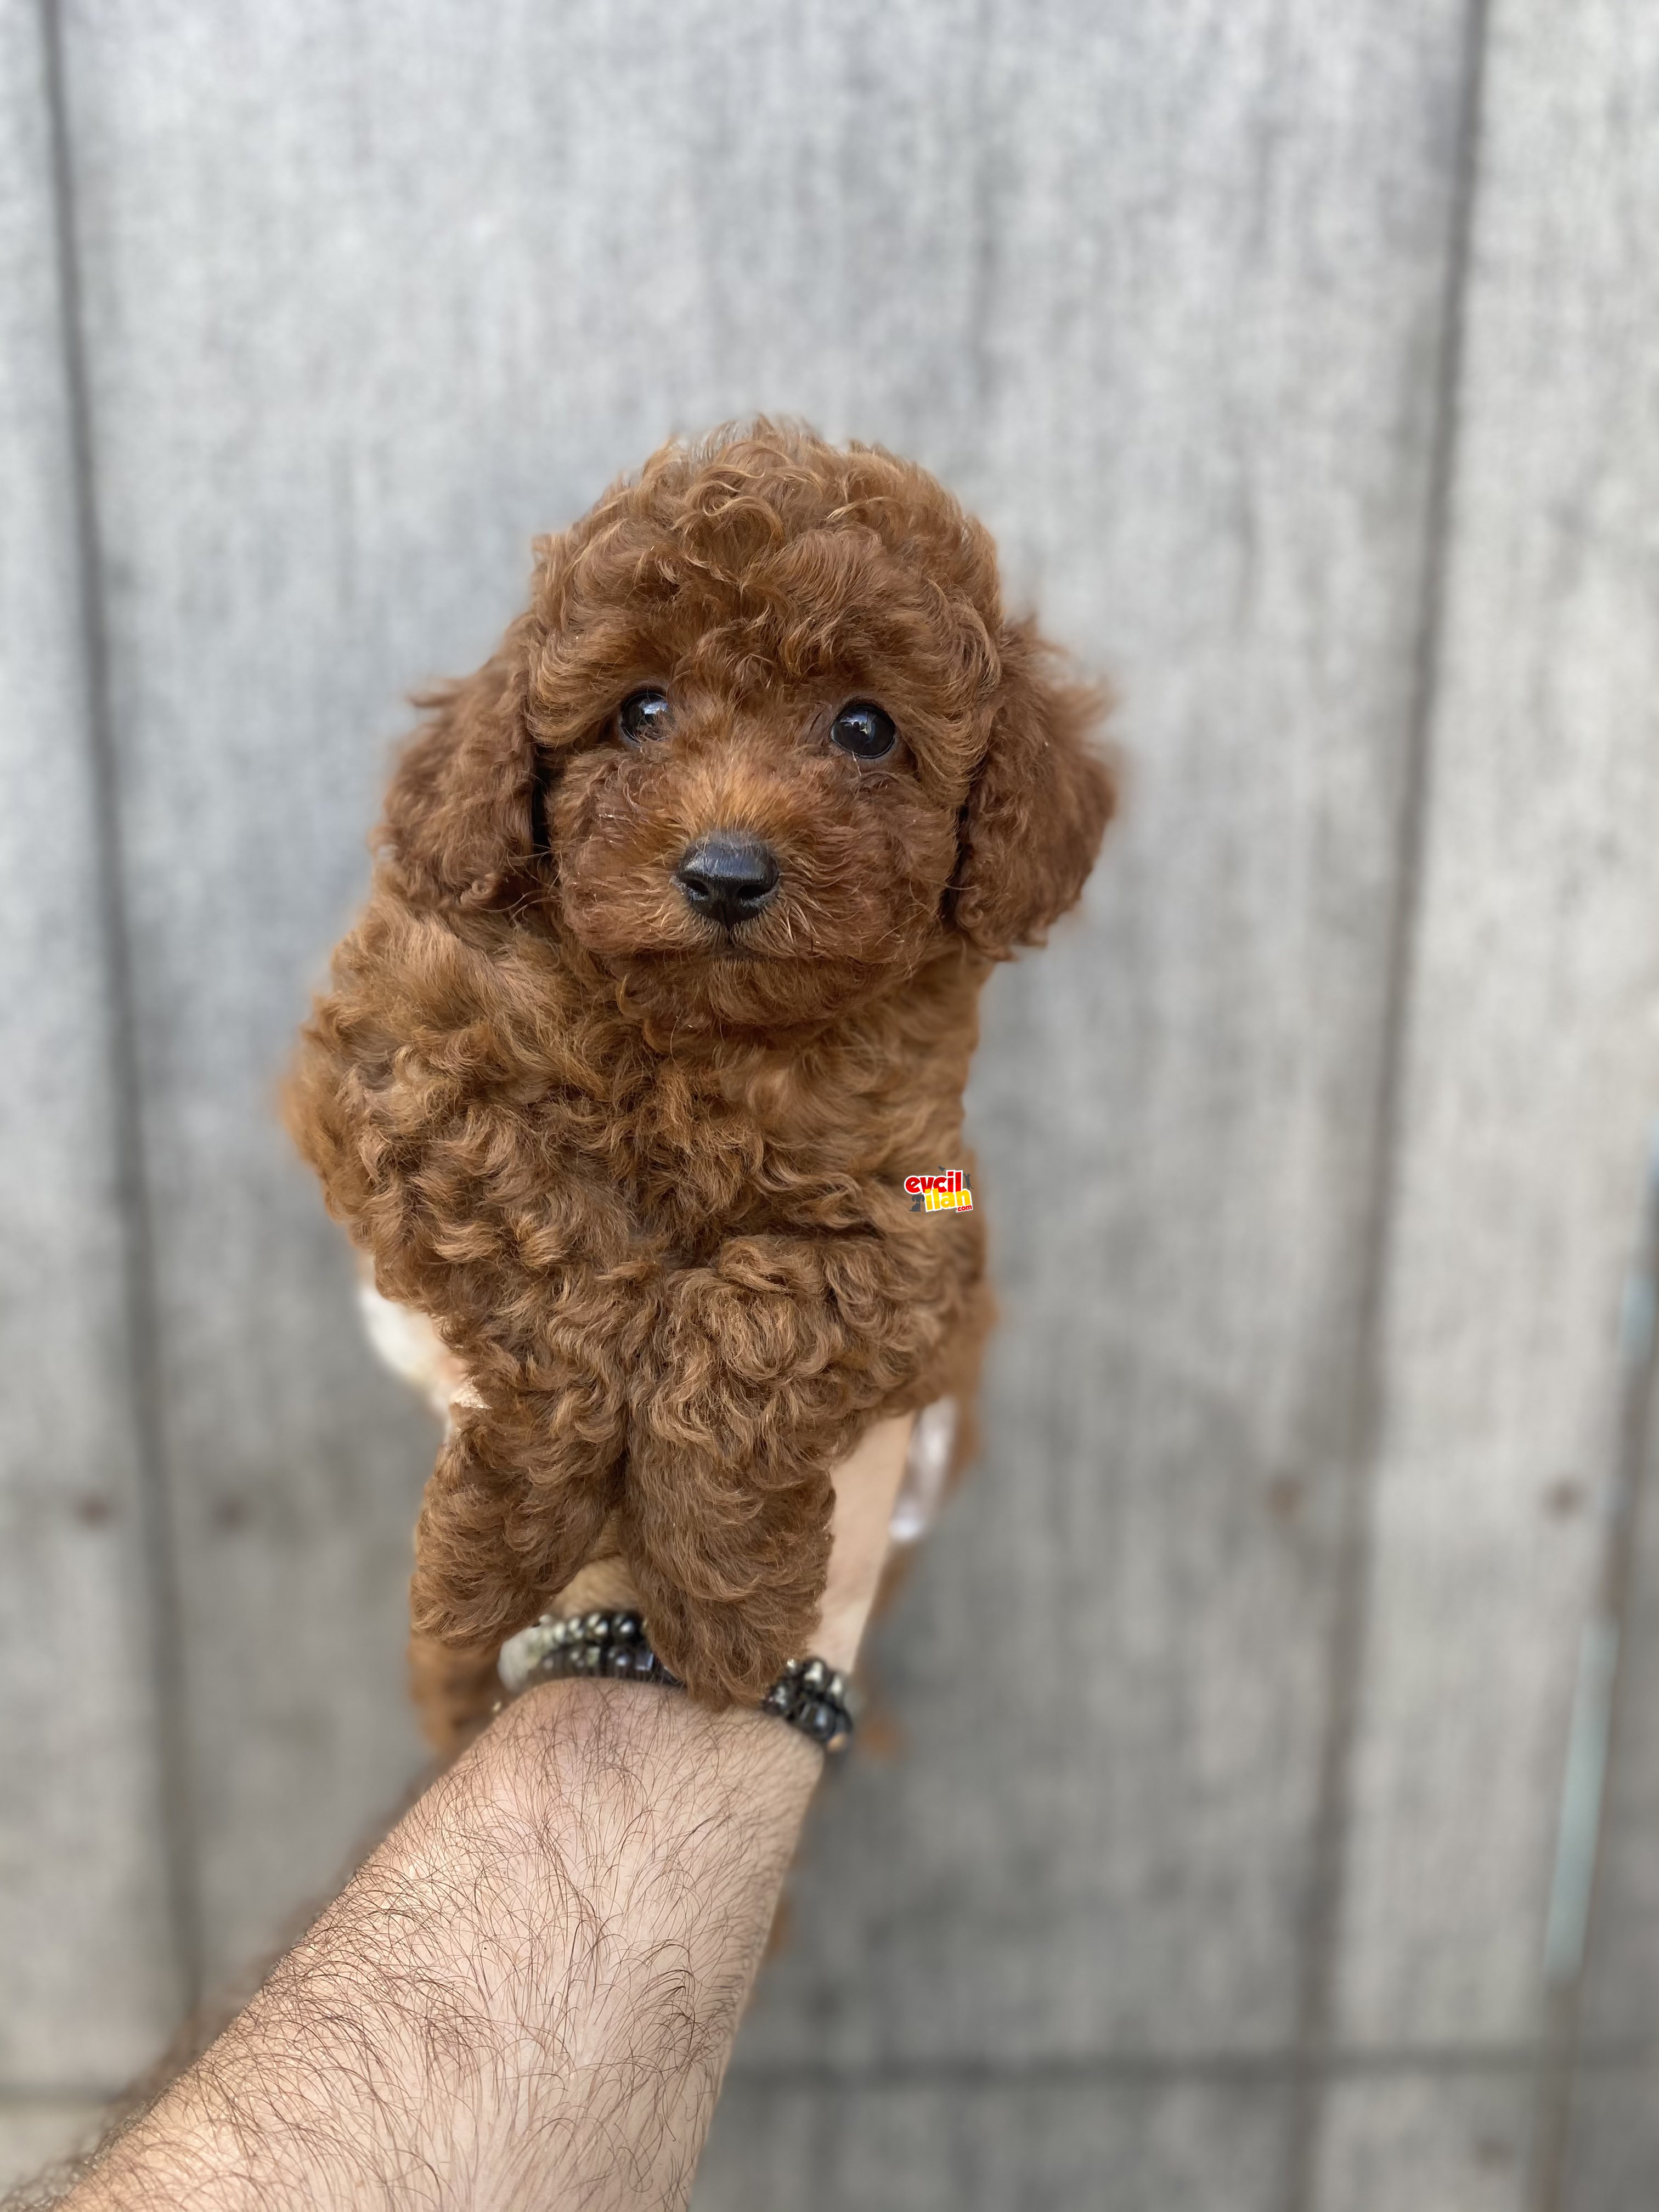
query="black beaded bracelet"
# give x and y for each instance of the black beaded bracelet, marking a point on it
(809, 1695)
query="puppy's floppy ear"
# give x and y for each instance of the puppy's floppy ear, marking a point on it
(1038, 805)
(462, 815)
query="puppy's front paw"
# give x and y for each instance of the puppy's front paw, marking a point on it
(513, 1509)
(735, 1428)
(730, 1565)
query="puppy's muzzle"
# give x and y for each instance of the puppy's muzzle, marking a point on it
(728, 878)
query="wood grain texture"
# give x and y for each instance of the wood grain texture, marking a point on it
(87, 1984)
(1613, 2154)
(983, 2146)
(1621, 1994)
(1158, 301)
(1611, 2134)
(1533, 1055)
(1401, 2145)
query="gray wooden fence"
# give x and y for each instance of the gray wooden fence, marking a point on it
(1306, 361)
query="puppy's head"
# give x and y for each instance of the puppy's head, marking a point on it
(763, 741)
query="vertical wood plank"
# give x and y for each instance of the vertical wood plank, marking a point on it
(88, 1990)
(1533, 1067)
(1612, 2147)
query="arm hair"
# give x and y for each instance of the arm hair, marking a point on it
(525, 1998)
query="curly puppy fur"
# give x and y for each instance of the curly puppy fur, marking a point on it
(644, 1170)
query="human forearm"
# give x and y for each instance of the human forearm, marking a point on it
(527, 1997)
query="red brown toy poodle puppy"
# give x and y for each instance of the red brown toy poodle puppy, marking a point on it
(667, 980)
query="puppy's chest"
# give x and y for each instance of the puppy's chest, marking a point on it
(691, 1168)
(733, 1171)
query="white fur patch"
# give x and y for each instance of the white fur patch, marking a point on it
(926, 1469)
(412, 1348)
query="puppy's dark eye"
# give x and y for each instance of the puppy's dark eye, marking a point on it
(644, 714)
(864, 730)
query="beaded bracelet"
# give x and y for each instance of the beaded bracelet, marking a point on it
(809, 1695)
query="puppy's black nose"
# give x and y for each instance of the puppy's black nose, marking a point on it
(728, 878)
